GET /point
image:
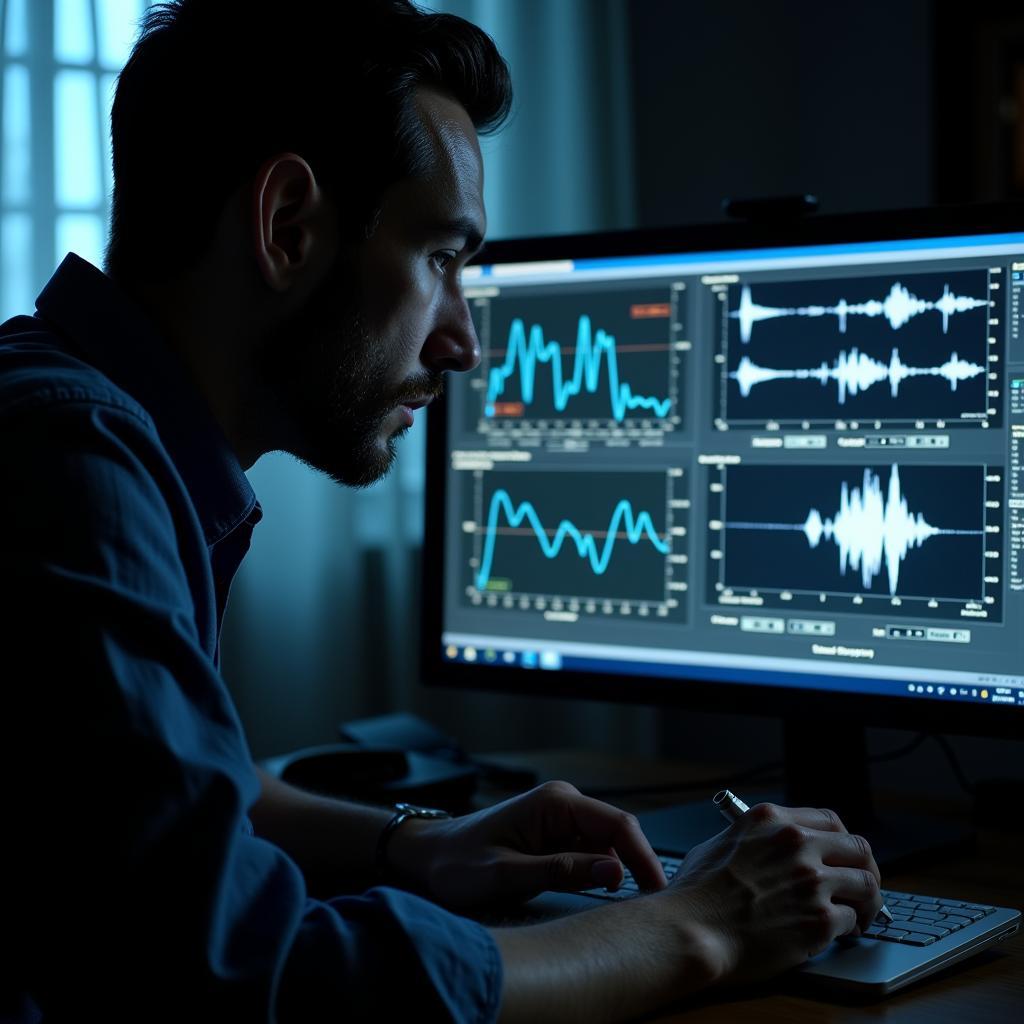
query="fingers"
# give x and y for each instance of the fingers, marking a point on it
(525, 875)
(842, 920)
(826, 831)
(858, 889)
(848, 851)
(600, 826)
(841, 866)
(819, 818)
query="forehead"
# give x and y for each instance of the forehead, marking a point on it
(451, 188)
(455, 149)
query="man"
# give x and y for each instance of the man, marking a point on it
(293, 204)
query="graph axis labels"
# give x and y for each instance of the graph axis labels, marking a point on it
(578, 543)
(896, 350)
(597, 365)
(904, 538)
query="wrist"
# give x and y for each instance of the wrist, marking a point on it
(703, 951)
(407, 856)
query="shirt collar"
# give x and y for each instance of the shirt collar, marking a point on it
(100, 319)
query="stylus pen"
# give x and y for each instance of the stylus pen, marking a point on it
(732, 807)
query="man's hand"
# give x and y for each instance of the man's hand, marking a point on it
(552, 837)
(770, 891)
(777, 887)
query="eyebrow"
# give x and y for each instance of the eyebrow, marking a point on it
(466, 227)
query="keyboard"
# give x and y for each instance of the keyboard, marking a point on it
(920, 920)
(917, 920)
(629, 887)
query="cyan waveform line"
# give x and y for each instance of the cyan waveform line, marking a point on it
(636, 527)
(898, 307)
(592, 350)
(856, 371)
(868, 529)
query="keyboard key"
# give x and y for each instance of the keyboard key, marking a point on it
(893, 933)
(970, 915)
(937, 930)
(917, 939)
(952, 919)
(932, 908)
(927, 915)
(873, 931)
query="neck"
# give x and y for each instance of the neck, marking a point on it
(197, 326)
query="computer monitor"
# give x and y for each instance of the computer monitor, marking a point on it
(773, 469)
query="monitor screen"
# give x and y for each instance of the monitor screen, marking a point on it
(739, 466)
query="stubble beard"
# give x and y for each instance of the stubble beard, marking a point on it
(332, 381)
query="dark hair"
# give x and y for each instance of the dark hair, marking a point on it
(214, 87)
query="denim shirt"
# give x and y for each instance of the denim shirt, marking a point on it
(132, 888)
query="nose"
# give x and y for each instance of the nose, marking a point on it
(452, 344)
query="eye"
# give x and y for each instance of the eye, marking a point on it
(442, 258)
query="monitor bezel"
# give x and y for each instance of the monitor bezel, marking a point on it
(918, 713)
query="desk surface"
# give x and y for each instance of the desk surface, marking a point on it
(986, 989)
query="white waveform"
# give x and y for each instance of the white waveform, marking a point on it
(855, 372)
(868, 529)
(898, 307)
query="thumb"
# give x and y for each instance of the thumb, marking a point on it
(565, 872)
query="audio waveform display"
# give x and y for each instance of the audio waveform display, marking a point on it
(535, 535)
(854, 372)
(592, 361)
(925, 536)
(946, 367)
(638, 527)
(595, 358)
(870, 529)
(898, 307)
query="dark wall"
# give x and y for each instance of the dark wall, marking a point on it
(750, 99)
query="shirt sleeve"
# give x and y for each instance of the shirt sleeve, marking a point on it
(131, 888)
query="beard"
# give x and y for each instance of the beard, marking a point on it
(331, 380)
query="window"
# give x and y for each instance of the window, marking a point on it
(59, 61)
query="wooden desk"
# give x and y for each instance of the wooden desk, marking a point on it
(986, 989)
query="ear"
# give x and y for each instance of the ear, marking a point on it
(288, 220)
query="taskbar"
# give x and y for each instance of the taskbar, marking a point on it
(889, 680)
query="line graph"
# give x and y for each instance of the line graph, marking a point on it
(595, 365)
(854, 372)
(595, 360)
(902, 532)
(898, 307)
(605, 538)
(638, 527)
(885, 350)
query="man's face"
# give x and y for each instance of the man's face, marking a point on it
(375, 340)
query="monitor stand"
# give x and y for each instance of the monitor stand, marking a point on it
(826, 765)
